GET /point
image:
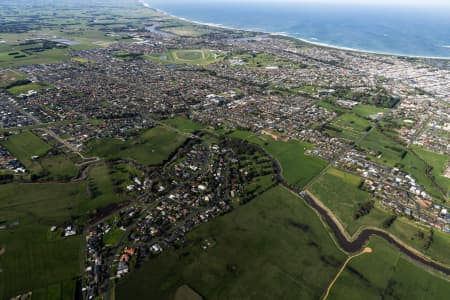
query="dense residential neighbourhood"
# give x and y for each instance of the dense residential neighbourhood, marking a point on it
(164, 126)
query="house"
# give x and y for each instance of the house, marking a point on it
(129, 251)
(122, 268)
(69, 231)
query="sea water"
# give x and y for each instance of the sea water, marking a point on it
(410, 31)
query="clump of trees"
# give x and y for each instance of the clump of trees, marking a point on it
(429, 240)
(364, 209)
(389, 221)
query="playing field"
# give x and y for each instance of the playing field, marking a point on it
(151, 147)
(368, 111)
(297, 167)
(275, 247)
(189, 57)
(386, 274)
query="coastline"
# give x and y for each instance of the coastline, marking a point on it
(306, 41)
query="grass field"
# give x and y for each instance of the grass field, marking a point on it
(407, 231)
(418, 168)
(184, 124)
(26, 145)
(384, 149)
(386, 274)
(45, 57)
(22, 89)
(8, 76)
(349, 127)
(186, 30)
(35, 260)
(52, 167)
(297, 168)
(332, 106)
(74, 24)
(339, 191)
(263, 60)
(112, 237)
(101, 187)
(368, 111)
(151, 147)
(438, 162)
(274, 247)
(59, 167)
(189, 57)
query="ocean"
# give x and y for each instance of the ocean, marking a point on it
(381, 29)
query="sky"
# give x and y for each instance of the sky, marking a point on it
(426, 3)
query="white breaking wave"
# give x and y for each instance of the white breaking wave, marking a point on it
(313, 41)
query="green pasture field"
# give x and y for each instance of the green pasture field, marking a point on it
(339, 191)
(414, 161)
(26, 145)
(150, 148)
(276, 234)
(46, 57)
(188, 31)
(184, 124)
(297, 167)
(385, 149)
(408, 230)
(71, 21)
(349, 127)
(59, 167)
(387, 274)
(438, 162)
(418, 168)
(101, 188)
(34, 259)
(122, 173)
(52, 167)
